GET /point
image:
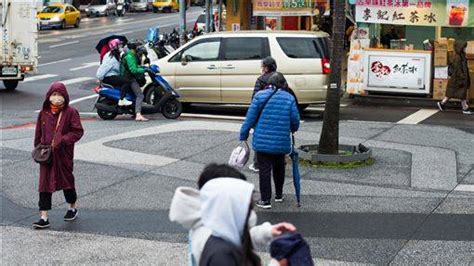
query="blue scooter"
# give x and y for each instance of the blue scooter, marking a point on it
(159, 97)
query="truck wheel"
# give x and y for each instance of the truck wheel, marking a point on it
(10, 85)
(78, 22)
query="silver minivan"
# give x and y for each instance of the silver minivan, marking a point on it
(223, 67)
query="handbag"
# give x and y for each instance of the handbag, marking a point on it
(43, 153)
(240, 155)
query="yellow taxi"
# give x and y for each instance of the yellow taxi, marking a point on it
(165, 5)
(58, 15)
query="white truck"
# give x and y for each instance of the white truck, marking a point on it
(18, 40)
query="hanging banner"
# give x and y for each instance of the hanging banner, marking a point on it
(278, 8)
(446, 13)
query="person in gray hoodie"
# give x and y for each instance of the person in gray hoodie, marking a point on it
(186, 210)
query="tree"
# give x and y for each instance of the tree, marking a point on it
(329, 140)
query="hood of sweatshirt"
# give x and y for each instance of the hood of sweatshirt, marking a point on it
(185, 207)
(225, 207)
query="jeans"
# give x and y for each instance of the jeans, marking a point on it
(45, 203)
(139, 96)
(267, 164)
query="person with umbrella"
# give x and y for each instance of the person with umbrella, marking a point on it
(274, 115)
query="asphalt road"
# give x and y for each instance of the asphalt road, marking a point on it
(392, 212)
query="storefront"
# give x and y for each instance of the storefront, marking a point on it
(393, 51)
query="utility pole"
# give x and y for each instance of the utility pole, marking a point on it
(182, 22)
(208, 16)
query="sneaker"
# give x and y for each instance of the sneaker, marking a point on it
(70, 215)
(124, 102)
(440, 106)
(467, 112)
(41, 224)
(264, 204)
(280, 199)
(254, 168)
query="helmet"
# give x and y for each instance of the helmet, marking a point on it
(114, 43)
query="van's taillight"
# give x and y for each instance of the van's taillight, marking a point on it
(326, 66)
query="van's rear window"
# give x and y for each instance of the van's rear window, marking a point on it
(304, 47)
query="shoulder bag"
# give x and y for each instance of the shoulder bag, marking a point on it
(42, 153)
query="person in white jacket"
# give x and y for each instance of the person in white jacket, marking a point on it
(186, 206)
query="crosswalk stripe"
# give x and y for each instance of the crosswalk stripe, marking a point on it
(86, 65)
(39, 77)
(55, 62)
(465, 188)
(84, 98)
(63, 44)
(76, 80)
(418, 116)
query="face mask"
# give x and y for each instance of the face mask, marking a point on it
(252, 219)
(56, 100)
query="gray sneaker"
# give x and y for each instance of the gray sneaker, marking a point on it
(467, 112)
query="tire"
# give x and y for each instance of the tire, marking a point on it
(302, 107)
(155, 10)
(172, 109)
(77, 24)
(63, 24)
(10, 85)
(104, 114)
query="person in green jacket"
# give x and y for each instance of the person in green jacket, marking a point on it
(130, 69)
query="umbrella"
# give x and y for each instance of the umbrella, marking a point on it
(296, 171)
(105, 41)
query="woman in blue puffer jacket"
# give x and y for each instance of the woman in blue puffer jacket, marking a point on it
(273, 115)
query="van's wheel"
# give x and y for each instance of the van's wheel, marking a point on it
(10, 85)
(78, 22)
(172, 109)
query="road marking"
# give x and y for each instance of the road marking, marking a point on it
(76, 80)
(418, 116)
(224, 117)
(84, 98)
(124, 20)
(125, 32)
(55, 62)
(40, 77)
(86, 65)
(63, 44)
(465, 188)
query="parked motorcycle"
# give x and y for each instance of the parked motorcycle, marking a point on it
(121, 9)
(159, 97)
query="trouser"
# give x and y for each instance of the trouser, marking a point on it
(255, 161)
(45, 198)
(139, 95)
(267, 164)
(118, 81)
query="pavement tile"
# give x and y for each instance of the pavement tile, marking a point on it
(469, 178)
(420, 252)
(435, 136)
(176, 145)
(392, 167)
(145, 192)
(20, 180)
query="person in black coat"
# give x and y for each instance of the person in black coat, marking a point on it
(269, 66)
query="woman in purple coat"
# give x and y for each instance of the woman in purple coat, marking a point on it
(59, 125)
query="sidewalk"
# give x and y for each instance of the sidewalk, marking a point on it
(414, 206)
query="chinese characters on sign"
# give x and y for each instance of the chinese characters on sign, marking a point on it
(387, 71)
(284, 7)
(454, 13)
